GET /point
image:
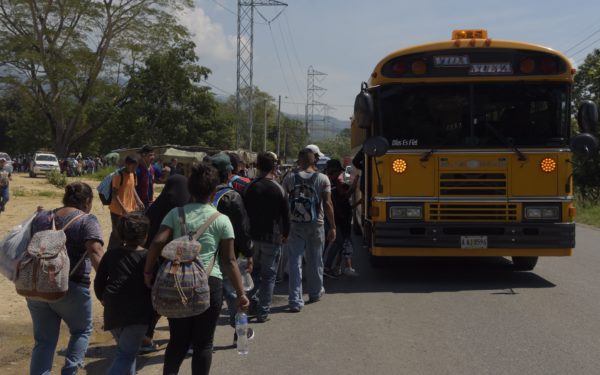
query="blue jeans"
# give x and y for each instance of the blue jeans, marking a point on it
(305, 240)
(129, 339)
(4, 196)
(231, 298)
(266, 258)
(76, 310)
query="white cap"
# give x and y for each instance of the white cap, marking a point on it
(315, 149)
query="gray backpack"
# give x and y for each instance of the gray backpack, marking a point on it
(43, 273)
(181, 286)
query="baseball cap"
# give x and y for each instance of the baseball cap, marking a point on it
(2, 158)
(334, 164)
(315, 149)
(221, 162)
(146, 149)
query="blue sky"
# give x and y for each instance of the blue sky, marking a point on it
(345, 39)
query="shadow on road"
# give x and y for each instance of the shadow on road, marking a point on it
(431, 275)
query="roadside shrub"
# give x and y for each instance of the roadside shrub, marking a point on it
(101, 173)
(57, 179)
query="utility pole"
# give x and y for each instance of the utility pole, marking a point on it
(265, 137)
(278, 126)
(245, 58)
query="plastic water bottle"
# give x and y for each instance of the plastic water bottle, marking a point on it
(241, 328)
(247, 282)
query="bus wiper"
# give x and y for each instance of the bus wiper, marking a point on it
(427, 155)
(507, 143)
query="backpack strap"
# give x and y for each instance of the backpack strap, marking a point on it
(220, 195)
(205, 226)
(182, 224)
(70, 221)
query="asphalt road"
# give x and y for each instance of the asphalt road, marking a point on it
(433, 316)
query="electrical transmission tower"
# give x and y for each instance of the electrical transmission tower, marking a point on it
(313, 91)
(245, 44)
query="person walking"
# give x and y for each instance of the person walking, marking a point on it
(175, 194)
(310, 200)
(217, 241)
(237, 181)
(119, 285)
(146, 175)
(84, 239)
(268, 211)
(5, 178)
(124, 198)
(342, 246)
(229, 202)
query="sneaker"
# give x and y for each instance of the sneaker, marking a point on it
(328, 273)
(318, 298)
(249, 333)
(295, 309)
(262, 319)
(149, 347)
(350, 272)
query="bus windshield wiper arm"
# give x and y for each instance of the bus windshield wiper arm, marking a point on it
(427, 155)
(507, 143)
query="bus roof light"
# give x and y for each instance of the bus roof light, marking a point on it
(469, 34)
(549, 65)
(527, 65)
(419, 67)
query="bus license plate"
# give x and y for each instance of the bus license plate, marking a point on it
(473, 242)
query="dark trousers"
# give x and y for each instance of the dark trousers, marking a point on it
(196, 331)
(114, 240)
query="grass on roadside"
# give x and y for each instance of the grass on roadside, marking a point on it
(20, 191)
(588, 214)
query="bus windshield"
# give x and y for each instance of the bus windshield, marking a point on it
(474, 115)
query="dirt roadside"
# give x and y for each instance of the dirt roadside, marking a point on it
(16, 338)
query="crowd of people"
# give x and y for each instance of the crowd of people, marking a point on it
(303, 213)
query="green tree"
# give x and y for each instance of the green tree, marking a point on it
(57, 53)
(163, 101)
(586, 172)
(337, 147)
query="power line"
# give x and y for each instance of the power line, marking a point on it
(291, 66)
(224, 7)
(585, 48)
(292, 40)
(279, 60)
(216, 87)
(582, 41)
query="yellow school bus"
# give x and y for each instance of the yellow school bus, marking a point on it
(466, 149)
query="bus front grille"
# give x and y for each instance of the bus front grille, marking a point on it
(463, 212)
(477, 184)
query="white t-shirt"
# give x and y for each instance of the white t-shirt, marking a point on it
(322, 185)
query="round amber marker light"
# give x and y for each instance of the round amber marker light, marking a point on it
(399, 165)
(548, 165)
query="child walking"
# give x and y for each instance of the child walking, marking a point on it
(119, 285)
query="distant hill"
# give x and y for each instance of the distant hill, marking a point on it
(328, 127)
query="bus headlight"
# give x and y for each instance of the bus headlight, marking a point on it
(542, 213)
(406, 212)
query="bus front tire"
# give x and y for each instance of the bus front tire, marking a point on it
(524, 263)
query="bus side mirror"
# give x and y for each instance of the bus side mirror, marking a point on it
(587, 117)
(584, 144)
(363, 108)
(376, 146)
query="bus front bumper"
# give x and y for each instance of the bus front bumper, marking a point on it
(448, 239)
